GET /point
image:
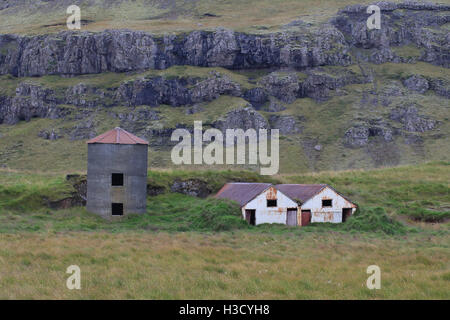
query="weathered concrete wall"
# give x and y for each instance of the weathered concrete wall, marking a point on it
(266, 214)
(105, 159)
(327, 214)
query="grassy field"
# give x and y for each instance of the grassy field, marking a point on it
(237, 265)
(161, 16)
(190, 248)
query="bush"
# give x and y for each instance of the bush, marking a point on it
(421, 214)
(217, 215)
(374, 220)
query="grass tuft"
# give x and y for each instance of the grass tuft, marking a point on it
(374, 220)
(217, 215)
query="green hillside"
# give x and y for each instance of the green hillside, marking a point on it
(321, 123)
(165, 16)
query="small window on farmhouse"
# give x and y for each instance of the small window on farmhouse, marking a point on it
(327, 203)
(271, 203)
(117, 209)
(117, 179)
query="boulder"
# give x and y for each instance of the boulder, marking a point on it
(154, 190)
(413, 122)
(286, 124)
(194, 109)
(191, 187)
(358, 135)
(49, 134)
(256, 96)
(275, 106)
(416, 83)
(84, 130)
(441, 87)
(241, 118)
(284, 87)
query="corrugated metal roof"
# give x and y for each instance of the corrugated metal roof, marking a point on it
(117, 136)
(242, 192)
(302, 192)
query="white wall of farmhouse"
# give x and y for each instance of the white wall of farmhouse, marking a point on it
(264, 214)
(327, 214)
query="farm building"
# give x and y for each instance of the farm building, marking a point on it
(117, 174)
(291, 204)
(261, 202)
(318, 202)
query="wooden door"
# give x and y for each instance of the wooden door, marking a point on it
(346, 212)
(306, 217)
(291, 217)
(250, 216)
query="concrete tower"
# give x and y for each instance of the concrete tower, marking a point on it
(117, 174)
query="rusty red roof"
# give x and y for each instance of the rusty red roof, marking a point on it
(302, 192)
(242, 192)
(117, 136)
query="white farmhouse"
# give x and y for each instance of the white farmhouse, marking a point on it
(261, 203)
(319, 202)
(290, 204)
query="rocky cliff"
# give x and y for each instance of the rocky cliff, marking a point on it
(75, 53)
(268, 80)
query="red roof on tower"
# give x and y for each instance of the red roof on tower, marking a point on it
(117, 136)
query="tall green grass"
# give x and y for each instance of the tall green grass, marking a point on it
(28, 192)
(374, 220)
(384, 197)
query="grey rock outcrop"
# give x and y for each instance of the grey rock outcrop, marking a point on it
(84, 130)
(319, 85)
(137, 120)
(441, 87)
(286, 124)
(275, 106)
(285, 87)
(191, 187)
(29, 102)
(358, 135)
(49, 134)
(82, 95)
(241, 118)
(416, 83)
(154, 91)
(176, 91)
(421, 24)
(75, 53)
(214, 86)
(76, 198)
(256, 96)
(411, 120)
